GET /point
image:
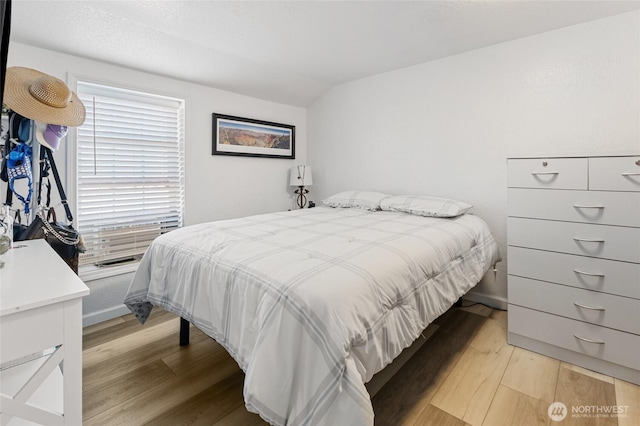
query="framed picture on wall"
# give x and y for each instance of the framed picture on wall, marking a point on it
(252, 138)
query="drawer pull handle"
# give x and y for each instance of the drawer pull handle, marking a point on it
(598, 342)
(579, 206)
(588, 240)
(591, 274)
(593, 308)
(545, 173)
(630, 174)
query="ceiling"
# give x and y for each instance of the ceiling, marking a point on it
(289, 52)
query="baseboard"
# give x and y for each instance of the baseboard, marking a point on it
(104, 315)
(496, 302)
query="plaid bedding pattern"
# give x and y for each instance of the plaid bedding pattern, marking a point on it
(311, 303)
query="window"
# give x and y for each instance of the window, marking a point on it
(130, 171)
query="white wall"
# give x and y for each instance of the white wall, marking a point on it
(446, 127)
(217, 187)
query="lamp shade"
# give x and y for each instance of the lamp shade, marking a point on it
(301, 176)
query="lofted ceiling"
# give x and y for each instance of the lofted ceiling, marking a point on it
(286, 51)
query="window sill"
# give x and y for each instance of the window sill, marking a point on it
(92, 273)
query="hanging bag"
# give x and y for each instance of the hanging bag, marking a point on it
(64, 239)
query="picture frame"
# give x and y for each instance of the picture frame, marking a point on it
(248, 137)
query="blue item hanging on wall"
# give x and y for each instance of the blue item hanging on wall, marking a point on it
(19, 167)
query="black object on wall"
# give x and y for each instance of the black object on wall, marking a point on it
(5, 22)
(4, 47)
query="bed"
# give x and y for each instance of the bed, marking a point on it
(312, 303)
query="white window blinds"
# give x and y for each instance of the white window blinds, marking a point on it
(130, 171)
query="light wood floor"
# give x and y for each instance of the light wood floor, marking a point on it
(465, 374)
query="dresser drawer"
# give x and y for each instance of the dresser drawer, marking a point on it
(599, 342)
(607, 276)
(607, 208)
(30, 331)
(554, 173)
(620, 313)
(603, 241)
(614, 173)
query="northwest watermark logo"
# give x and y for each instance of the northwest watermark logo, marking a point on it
(557, 411)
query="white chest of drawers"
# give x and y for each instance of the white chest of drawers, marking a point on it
(573, 239)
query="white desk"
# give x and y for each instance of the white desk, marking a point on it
(40, 329)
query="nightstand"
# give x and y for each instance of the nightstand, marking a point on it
(41, 337)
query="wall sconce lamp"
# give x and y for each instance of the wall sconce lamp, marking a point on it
(301, 177)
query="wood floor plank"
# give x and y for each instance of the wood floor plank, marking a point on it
(123, 388)
(131, 342)
(168, 394)
(579, 390)
(628, 395)
(586, 372)
(532, 374)
(97, 371)
(98, 335)
(181, 361)
(206, 407)
(433, 416)
(407, 394)
(467, 391)
(512, 408)
(240, 416)
(492, 336)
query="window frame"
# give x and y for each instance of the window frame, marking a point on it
(93, 272)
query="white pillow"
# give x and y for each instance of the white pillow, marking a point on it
(423, 205)
(367, 200)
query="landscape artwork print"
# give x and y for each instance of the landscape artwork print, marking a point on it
(253, 138)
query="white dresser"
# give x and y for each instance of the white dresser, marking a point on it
(40, 338)
(573, 231)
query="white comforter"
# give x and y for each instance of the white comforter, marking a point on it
(311, 303)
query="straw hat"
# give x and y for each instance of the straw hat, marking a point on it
(42, 97)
